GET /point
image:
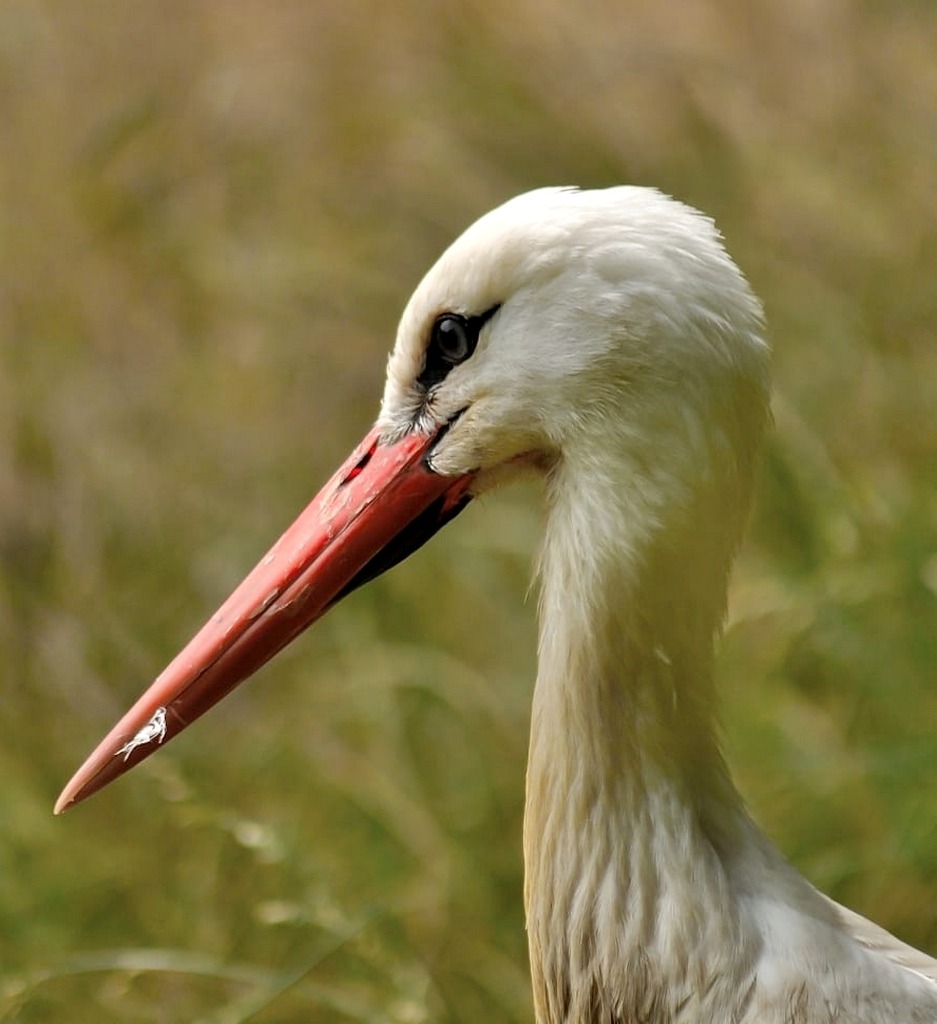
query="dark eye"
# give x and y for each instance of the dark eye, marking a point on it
(451, 339)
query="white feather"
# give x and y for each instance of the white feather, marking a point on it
(627, 361)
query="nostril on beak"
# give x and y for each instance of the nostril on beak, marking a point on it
(359, 465)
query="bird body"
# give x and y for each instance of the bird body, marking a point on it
(607, 341)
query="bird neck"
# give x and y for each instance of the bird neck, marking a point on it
(631, 820)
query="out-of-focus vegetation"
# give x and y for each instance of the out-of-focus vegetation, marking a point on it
(210, 217)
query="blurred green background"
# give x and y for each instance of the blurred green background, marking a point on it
(211, 215)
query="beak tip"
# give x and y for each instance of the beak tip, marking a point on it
(82, 784)
(73, 793)
(63, 803)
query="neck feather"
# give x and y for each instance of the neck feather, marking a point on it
(650, 894)
(632, 821)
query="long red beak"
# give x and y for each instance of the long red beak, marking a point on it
(380, 506)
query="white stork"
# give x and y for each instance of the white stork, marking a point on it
(606, 340)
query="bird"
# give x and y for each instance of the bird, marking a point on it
(604, 340)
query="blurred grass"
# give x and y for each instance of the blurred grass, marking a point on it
(210, 217)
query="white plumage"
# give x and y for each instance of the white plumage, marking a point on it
(627, 362)
(605, 340)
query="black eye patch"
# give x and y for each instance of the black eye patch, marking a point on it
(452, 339)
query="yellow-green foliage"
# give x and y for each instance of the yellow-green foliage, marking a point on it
(210, 217)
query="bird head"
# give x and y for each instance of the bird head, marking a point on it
(564, 329)
(567, 321)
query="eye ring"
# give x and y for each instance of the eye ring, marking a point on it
(452, 339)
